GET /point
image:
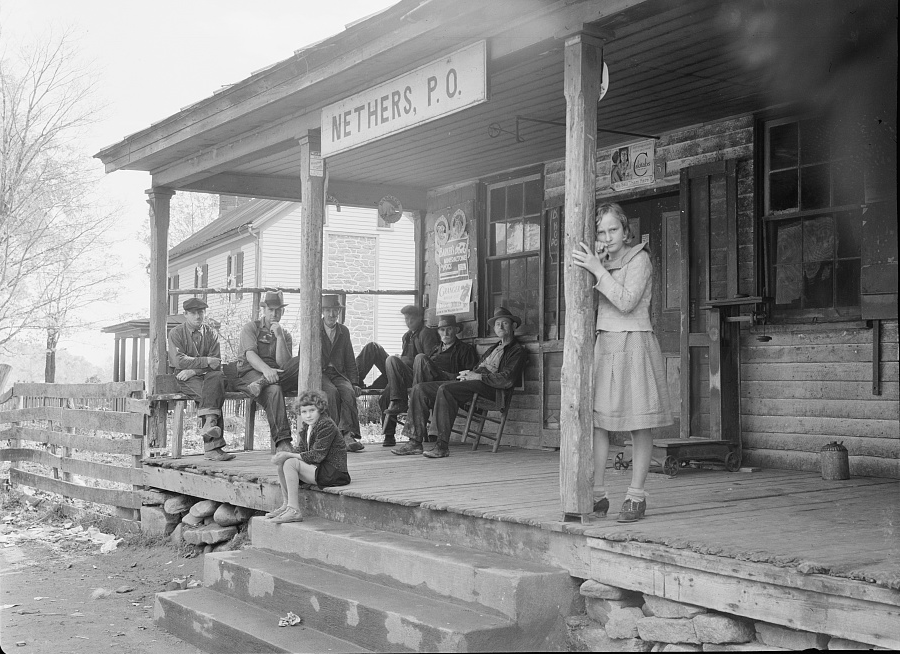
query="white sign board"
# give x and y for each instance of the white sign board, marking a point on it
(453, 297)
(433, 91)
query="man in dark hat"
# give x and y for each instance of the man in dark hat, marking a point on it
(339, 373)
(448, 358)
(266, 368)
(193, 350)
(397, 371)
(500, 368)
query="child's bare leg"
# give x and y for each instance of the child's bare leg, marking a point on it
(284, 493)
(601, 453)
(642, 441)
(292, 482)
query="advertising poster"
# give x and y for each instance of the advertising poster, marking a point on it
(451, 246)
(632, 165)
(453, 297)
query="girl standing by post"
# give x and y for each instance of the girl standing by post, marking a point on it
(630, 392)
(323, 461)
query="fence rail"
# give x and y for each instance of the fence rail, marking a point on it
(65, 419)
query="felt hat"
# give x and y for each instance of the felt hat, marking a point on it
(412, 310)
(331, 302)
(194, 303)
(449, 320)
(273, 300)
(503, 312)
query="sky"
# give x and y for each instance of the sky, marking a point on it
(151, 60)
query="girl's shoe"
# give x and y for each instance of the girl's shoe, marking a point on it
(632, 510)
(276, 512)
(290, 514)
(601, 507)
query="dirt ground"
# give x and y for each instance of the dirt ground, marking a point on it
(60, 594)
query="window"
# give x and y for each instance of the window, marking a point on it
(234, 273)
(173, 283)
(201, 278)
(813, 207)
(514, 252)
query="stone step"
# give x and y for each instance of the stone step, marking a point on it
(220, 624)
(528, 593)
(350, 607)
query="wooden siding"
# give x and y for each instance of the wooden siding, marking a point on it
(811, 385)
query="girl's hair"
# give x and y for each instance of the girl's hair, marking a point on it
(619, 213)
(313, 398)
(615, 156)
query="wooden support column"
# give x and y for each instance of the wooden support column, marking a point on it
(158, 199)
(312, 178)
(583, 58)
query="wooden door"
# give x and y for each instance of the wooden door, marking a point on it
(658, 219)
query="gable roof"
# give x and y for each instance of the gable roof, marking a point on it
(229, 224)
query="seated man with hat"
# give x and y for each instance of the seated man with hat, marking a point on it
(266, 368)
(193, 350)
(398, 370)
(339, 373)
(500, 368)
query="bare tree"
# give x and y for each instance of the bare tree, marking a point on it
(188, 214)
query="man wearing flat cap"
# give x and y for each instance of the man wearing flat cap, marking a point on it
(267, 370)
(339, 372)
(193, 350)
(397, 371)
(499, 369)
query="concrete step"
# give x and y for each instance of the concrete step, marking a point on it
(350, 607)
(526, 592)
(220, 624)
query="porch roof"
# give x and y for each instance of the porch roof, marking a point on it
(671, 65)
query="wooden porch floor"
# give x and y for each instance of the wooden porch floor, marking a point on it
(790, 519)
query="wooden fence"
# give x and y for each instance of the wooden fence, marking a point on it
(58, 419)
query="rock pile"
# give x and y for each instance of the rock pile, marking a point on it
(208, 525)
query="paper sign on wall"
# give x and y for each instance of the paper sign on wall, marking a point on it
(632, 165)
(453, 297)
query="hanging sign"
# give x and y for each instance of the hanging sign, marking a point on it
(453, 297)
(632, 165)
(451, 246)
(433, 91)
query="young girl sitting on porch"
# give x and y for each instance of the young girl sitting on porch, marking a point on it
(630, 392)
(322, 462)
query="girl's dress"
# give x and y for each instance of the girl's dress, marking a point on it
(324, 448)
(630, 390)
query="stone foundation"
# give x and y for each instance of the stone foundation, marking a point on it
(620, 620)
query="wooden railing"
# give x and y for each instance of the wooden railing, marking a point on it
(59, 419)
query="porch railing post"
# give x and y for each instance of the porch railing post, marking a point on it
(312, 178)
(583, 58)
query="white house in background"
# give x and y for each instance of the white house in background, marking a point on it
(257, 244)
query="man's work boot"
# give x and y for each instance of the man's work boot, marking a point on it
(352, 444)
(389, 441)
(218, 455)
(412, 447)
(284, 445)
(397, 407)
(255, 388)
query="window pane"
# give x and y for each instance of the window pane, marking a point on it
(534, 196)
(498, 203)
(846, 280)
(533, 233)
(515, 202)
(783, 190)
(498, 244)
(849, 230)
(813, 141)
(514, 236)
(848, 183)
(815, 187)
(787, 242)
(818, 239)
(818, 285)
(787, 287)
(783, 146)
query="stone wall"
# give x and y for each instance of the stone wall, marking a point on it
(351, 263)
(619, 620)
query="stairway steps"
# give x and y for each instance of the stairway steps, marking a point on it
(220, 624)
(360, 610)
(499, 582)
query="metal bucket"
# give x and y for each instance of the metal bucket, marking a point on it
(835, 461)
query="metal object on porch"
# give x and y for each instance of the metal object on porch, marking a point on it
(478, 410)
(675, 453)
(835, 461)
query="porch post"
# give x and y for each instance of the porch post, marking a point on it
(312, 193)
(583, 64)
(158, 198)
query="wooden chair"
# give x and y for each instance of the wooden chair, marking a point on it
(478, 412)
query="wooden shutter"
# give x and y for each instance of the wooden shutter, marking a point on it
(239, 272)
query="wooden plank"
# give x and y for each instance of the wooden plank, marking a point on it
(836, 426)
(838, 615)
(90, 443)
(116, 421)
(260, 496)
(868, 466)
(135, 405)
(857, 371)
(818, 390)
(74, 466)
(863, 410)
(127, 499)
(80, 391)
(840, 353)
(859, 446)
